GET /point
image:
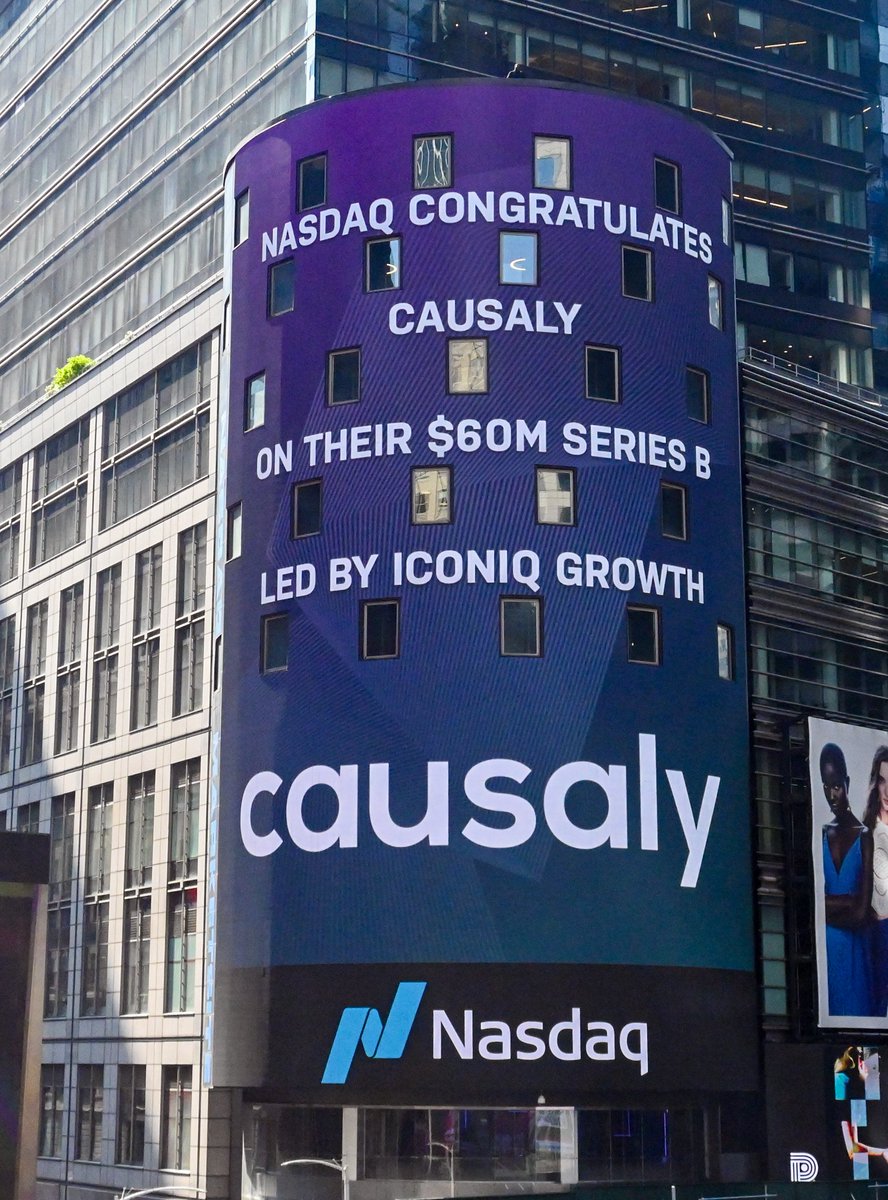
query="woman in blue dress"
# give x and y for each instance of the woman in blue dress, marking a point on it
(848, 887)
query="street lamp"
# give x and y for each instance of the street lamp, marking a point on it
(173, 1189)
(335, 1164)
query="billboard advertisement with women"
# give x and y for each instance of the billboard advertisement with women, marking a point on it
(849, 847)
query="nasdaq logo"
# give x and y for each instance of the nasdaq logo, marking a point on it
(365, 1027)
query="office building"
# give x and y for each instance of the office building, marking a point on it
(116, 120)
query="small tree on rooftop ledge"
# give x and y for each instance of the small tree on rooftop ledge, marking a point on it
(76, 365)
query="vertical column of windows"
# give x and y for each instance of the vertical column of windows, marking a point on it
(58, 514)
(61, 873)
(105, 654)
(181, 973)
(68, 673)
(10, 520)
(146, 638)
(96, 904)
(175, 1131)
(130, 1140)
(7, 685)
(137, 894)
(52, 1109)
(34, 685)
(190, 619)
(90, 1110)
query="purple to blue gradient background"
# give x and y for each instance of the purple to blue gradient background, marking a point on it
(450, 695)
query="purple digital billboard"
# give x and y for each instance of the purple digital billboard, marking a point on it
(481, 795)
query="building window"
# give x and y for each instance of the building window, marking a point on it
(254, 402)
(130, 1143)
(727, 222)
(175, 1131)
(674, 511)
(10, 520)
(146, 639)
(307, 508)
(94, 984)
(466, 365)
(156, 438)
(184, 819)
(58, 519)
(380, 632)
(61, 847)
(275, 643)
(667, 187)
(638, 273)
(716, 307)
(234, 531)
(52, 1109)
(99, 815)
(139, 829)
(603, 373)
(34, 683)
(27, 818)
(697, 390)
(149, 570)
(555, 503)
(7, 689)
(35, 643)
(518, 258)
(313, 182)
(242, 217)
(552, 163)
(725, 647)
(643, 634)
(68, 675)
(520, 627)
(58, 939)
(188, 669)
(281, 287)
(431, 496)
(136, 953)
(382, 264)
(433, 161)
(344, 376)
(181, 950)
(90, 1104)
(146, 679)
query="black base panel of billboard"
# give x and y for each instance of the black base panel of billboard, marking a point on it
(491, 1033)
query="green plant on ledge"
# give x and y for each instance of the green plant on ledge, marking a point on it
(76, 365)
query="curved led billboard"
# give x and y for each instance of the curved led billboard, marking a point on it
(481, 807)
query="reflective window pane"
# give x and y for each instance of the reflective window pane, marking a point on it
(520, 627)
(379, 629)
(551, 162)
(313, 181)
(555, 496)
(383, 264)
(432, 161)
(281, 287)
(430, 496)
(467, 365)
(518, 258)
